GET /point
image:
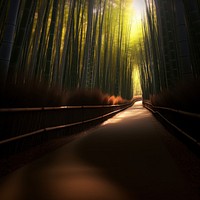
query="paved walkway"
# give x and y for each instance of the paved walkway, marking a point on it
(123, 159)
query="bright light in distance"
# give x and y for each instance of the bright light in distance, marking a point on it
(135, 13)
(138, 7)
(136, 80)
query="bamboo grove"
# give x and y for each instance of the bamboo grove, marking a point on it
(169, 53)
(69, 44)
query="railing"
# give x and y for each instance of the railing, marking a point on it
(186, 123)
(21, 127)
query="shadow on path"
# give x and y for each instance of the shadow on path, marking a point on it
(123, 159)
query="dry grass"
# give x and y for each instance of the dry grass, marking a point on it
(185, 96)
(86, 97)
(39, 95)
(31, 95)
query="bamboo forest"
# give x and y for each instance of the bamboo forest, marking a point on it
(99, 99)
(120, 47)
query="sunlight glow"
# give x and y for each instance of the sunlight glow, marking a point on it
(136, 80)
(123, 116)
(136, 11)
(138, 6)
(118, 118)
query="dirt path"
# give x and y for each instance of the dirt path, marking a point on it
(130, 156)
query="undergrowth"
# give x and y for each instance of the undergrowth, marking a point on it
(184, 96)
(40, 95)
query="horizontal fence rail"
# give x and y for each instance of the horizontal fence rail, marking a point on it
(186, 123)
(35, 124)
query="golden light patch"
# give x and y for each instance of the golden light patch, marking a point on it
(134, 15)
